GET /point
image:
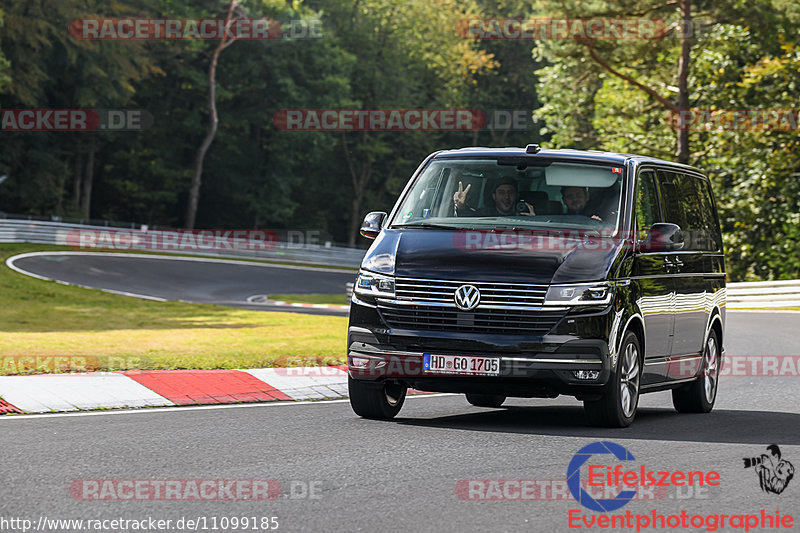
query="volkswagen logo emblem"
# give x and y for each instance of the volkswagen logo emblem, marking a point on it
(467, 297)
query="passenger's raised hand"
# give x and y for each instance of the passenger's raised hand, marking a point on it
(460, 196)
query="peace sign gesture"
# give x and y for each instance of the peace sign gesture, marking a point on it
(460, 196)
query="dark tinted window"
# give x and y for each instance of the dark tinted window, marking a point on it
(672, 201)
(702, 219)
(646, 203)
(716, 234)
(687, 203)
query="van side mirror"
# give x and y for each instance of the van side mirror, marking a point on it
(662, 237)
(372, 224)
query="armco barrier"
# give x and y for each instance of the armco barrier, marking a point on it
(763, 294)
(43, 232)
(767, 294)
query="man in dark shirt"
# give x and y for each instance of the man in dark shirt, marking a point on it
(576, 199)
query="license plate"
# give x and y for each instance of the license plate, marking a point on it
(469, 365)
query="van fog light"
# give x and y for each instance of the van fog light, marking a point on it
(359, 362)
(586, 374)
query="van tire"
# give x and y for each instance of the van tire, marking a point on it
(617, 407)
(486, 400)
(376, 400)
(699, 395)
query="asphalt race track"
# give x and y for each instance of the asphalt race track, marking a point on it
(342, 473)
(214, 281)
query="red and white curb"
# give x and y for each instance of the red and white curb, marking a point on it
(43, 393)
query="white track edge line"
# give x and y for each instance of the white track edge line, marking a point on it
(185, 258)
(185, 408)
(10, 264)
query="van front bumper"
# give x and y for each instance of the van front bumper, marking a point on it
(533, 374)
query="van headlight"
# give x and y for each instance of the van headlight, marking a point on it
(376, 285)
(581, 294)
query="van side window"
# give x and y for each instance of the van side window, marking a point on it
(691, 209)
(700, 212)
(672, 201)
(646, 203)
(711, 214)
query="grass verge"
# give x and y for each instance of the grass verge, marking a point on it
(45, 319)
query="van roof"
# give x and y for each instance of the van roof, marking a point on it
(564, 154)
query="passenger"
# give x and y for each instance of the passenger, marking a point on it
(505, 197)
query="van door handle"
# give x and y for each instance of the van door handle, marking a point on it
(670, 264)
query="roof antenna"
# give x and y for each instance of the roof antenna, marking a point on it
(532, 149)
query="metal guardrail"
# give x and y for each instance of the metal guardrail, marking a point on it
(763, 294)
(767, 294)
(43, 232)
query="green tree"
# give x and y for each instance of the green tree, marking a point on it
(52, 69)
(742, 58)
(409, 56)
(4, 65)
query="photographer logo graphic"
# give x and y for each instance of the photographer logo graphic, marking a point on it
(574, 477)
(774, 473)
(621, 482)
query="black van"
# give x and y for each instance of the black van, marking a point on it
(532, 273)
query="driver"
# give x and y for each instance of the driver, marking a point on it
(576, 198)
(505, 197)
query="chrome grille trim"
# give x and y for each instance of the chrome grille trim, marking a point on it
(449, 304)
(494, 295)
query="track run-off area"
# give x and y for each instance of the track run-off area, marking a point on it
(442, 465)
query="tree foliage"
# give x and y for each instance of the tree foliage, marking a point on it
(743, 56)
(393, 54)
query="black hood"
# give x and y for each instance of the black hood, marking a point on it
(492, 256)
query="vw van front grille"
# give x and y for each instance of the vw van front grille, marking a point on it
(504, 308)
(493, 295)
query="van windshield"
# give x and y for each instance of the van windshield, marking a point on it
(505, 193)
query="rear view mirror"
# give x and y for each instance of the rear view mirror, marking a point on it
(372, 224)
(662, 237)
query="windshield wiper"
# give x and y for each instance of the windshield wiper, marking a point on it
(427, 225)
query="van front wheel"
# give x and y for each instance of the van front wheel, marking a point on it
(617, 407)
(380, 401)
